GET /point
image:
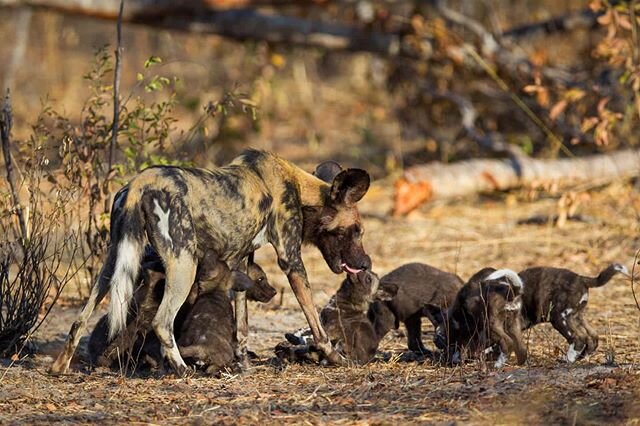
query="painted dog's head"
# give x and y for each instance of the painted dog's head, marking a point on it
(261, 291)
(336, 228)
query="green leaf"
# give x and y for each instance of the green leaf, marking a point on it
(152, 61)
(139, 76)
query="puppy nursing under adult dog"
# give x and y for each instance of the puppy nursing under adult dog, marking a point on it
(231, 211)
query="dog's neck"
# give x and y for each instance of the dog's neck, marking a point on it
(313, 191)
(352, 301)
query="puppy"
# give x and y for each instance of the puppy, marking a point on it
(353, 329)
(418, 285)
(560, 296)
(486, 312)
(138, 343)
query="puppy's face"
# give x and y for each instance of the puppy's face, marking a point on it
(364, 283)
(261, 290)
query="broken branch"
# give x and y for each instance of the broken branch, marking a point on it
(470, 177)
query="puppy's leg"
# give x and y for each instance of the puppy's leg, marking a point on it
(514, 330)
(181, 272)
(414, 335)
(498, 334)
(590, 334)
(564, 323)
(99, 290)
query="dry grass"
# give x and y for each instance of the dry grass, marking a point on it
(462, 237)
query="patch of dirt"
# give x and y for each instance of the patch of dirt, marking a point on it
(460, 237)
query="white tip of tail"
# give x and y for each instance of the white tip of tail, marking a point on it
(125, 272)
(511, 276)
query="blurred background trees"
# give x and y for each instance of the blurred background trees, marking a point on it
(379, 83)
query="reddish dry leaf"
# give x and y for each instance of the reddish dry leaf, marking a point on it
(410, 195)
(558, 109)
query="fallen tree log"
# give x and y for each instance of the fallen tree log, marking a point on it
(215, 17)
(442, 181)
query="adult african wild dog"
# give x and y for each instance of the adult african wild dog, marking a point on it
(259, 198)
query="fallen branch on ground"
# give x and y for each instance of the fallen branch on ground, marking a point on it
(430, 181)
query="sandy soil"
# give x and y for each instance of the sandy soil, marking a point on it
(461, 237)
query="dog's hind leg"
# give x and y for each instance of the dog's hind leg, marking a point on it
(590, 334)
(564, 322)
(99, 290)
(181, 272)
(514, 330)
(414, 335)
(504, 340)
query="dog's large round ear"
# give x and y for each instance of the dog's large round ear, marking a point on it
(349, 186)
(327, 171)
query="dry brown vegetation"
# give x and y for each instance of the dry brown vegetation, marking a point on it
(461, 237)
(365, 111)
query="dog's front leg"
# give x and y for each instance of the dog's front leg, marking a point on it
(242, 325)
(300, 286)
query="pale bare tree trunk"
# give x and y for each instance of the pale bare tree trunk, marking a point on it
(485, 175)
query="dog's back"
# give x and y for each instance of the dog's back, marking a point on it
(419, 284)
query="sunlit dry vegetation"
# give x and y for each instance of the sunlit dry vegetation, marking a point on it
(403, 86)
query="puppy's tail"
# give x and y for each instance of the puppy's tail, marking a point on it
(606, 274)
(127, 247)
(508, 277)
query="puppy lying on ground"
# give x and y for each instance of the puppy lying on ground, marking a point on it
(347, 321)
(138, 341)
(560, 296)
(418, 285)
(486, 312)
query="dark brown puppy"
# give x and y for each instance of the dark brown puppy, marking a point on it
(560, 296)
(208, 334)
(348, 320)
(418, 285)
(486, 311)
(138, 341)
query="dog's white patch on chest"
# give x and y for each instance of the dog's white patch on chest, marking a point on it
(501, 361)
(163, 221)
(261, 238)
(566, 312)
(584, 298)
(572, 354)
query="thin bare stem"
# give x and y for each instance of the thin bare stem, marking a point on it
(6, 120)
(116, 96)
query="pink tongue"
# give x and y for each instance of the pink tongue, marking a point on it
(349, 269)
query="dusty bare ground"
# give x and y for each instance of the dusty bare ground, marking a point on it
(462, 237)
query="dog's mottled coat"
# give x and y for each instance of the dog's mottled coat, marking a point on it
(232, 210)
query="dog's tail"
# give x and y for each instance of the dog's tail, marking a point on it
(127, 246)
(606, 274)
(509, 277)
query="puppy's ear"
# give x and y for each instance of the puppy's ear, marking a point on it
(240, 281)
(434, 313)
(327, 171)
(349, 186)
(386, 292)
